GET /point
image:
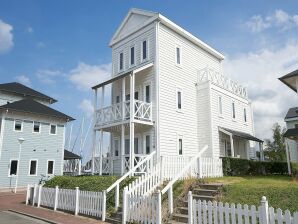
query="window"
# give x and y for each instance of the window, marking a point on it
(121, 61)
(220, 105)
(18, 125)
(13, 167)
(178, 56)
(116, 146)
(33, 167)
(144, 50)
(36, 127)
(136, 145)
(148, 144)
(132, 55)
(50, 169)
(180, 146)
(127, 146)
(53, 129)
(147, 94)
(117, 99)
(244, 114)
(179, 100)
(233, 110)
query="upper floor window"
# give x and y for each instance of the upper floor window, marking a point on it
(148, 144)
(220, 105)
(233, 110)
(178, 55)
(36, 127)
(179, 100)
(144, 50)
(121, 61)
(53, 129)
(18, 125)
(147, 94)
(245, 115)
(132, 55)
(33, 167)
(180, 147)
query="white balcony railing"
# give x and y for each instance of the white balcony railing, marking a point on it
(113, 113)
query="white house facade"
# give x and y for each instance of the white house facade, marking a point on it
(181, 100)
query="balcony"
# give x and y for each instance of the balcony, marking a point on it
(120, 112)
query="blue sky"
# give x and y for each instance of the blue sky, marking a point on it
(61, 47)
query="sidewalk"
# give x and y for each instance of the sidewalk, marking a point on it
(16, 202)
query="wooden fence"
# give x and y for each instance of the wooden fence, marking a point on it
(202, 212)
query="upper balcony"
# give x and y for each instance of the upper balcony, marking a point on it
(120, 112)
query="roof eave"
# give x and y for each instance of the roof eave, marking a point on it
(284, 82)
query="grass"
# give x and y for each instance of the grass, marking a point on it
(281, 191)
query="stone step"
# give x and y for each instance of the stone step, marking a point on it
(180, 218)
(175, 222)
(113, 220)
(214, 186)
(206, 192)
(117, 215)
(183, 210)
(203, 197)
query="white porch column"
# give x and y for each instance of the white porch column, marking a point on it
(232, 145)
(261, 151)
(247, 147)
(131, 121)
(94, 131)
(101, 132)
(288, 156)
(122, 153)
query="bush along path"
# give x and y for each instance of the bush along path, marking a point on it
(201, 191)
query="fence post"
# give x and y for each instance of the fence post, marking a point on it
(190, 207)
(124, 206)
(56, 198)
(39, 195)
(77, 201)
(34, 194)
(200, 167)
(159, 216)
(170, 197)
(117, 197)
(264, 211)
(28, 194)
(104, 198)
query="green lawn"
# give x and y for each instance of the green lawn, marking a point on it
(281, 191)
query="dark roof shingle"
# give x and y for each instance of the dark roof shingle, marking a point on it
(31, 106)
(18, 88)
(292, 113)
(70, 155)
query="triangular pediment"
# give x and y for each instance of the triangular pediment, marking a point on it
(135, 19)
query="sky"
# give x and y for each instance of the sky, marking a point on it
(60, 47)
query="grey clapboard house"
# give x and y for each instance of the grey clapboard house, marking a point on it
(26, 114)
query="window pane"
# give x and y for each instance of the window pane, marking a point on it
(127, 146)
(50, 167)
(121, 61)
(136, 145)
(245, 118)
(233, 109)
(220, 104)
(148, 143)
(53, 129)
(180, 146)
(144, 50)
(117, 99)
(148, 94)
(33, 167)
(179, 99)
(18, 125)
(136, 95)
(178, 55)
(13, 167)
(116, 145)
(132, 56)
(36, 126)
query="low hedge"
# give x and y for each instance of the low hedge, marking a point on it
(236, 167)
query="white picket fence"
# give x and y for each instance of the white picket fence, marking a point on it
(202, 212)
(80, 202)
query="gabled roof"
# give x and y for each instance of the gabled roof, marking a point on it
(290, 80)
(143, 18)
(240, 134)
(20, 89)
(291, 134)
(292, 113)
(31, 106)
(70, 155)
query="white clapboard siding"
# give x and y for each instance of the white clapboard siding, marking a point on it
(67, 199)
(90, 203)
(47, 197)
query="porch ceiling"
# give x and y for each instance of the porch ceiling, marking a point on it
(240, 134)
(290, 80)
(292, 134)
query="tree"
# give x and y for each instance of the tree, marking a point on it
(276, 150)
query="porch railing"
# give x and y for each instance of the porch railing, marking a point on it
(113, 113)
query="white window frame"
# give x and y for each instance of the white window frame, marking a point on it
(36, 169)
(144, 91)
(33, 127)
(220, 107)
(144, 142)
(177, 108)
(176, 56)
(55, 129)
(134, 64)
(147, 50)
(48, 167)
(8, 174)
(180, 136)
(119, 146)
(119, 61)
(233, 111)
(22, 125)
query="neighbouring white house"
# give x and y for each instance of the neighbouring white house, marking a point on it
(31, 137)
(181, 100)
(291, 119)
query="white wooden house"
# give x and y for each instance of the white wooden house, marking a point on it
(181, 99)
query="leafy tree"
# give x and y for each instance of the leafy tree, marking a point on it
(276, 149)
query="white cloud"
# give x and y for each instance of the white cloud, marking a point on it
(6, 37)
(279, 19)
(24, 80)
(87, 107)
(41, 44)
(29, 29)
(49, 76)
(259, 72)
(85, 76)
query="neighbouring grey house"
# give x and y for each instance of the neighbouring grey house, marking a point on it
(32, 136)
